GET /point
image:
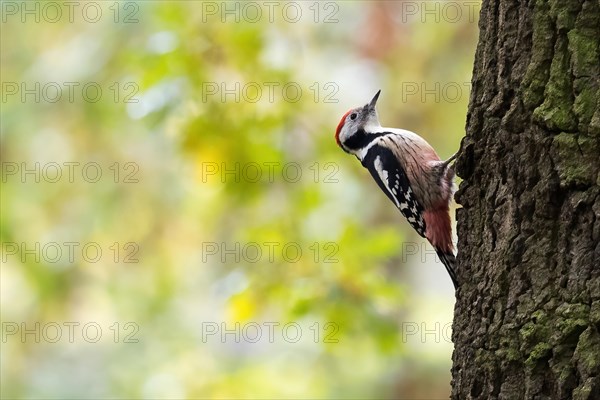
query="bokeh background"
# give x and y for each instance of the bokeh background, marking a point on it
(242, 253)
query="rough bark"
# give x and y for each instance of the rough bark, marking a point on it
(527, 315)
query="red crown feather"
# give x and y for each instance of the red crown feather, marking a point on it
(339, 129)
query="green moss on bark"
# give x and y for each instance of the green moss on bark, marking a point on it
(585, 63)
(556, 112)
(541, 351)
(576, 171)
(587, 353)
(538, 71)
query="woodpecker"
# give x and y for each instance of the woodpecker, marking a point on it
(408, 170)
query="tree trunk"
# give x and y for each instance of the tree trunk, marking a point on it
(527, 315)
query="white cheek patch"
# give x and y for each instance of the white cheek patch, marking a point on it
(344, 133)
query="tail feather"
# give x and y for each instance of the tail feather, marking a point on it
(449, 261)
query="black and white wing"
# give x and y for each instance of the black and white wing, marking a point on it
(391, 178)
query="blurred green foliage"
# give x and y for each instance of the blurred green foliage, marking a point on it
(170, 140)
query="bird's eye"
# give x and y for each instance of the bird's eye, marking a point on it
(353, 116)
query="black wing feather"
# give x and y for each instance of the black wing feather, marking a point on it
(393, 181)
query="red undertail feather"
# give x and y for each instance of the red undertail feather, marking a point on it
(439, 234)
(439, 230)
(339, 129)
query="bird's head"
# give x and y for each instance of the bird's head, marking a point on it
(357, 121)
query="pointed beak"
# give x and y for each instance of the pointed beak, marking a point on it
(374, 100)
